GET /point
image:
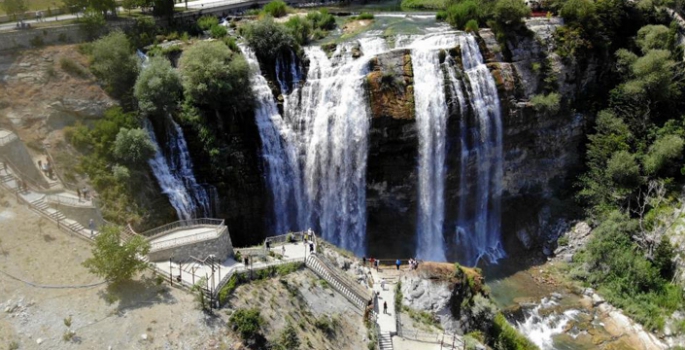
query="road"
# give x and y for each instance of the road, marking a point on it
(12, 25)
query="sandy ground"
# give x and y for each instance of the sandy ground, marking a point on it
(34, 250)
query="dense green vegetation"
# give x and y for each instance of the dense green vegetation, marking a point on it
(158, 87)
(117, 262)
(634, 156)
(114, 62)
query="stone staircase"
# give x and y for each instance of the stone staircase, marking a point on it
(356, 294)
(385, 341)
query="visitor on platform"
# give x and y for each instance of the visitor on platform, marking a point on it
(377, 263)
(398, 263)
(364, 261)
(385, 307)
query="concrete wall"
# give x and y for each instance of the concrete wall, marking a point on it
(26, 38)
(82, 215)
(17, 153)
(220, 246)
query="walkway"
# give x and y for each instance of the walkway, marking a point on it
(387, 322)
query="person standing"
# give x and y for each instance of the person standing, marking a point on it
(385, 307)
(376, 263)
(364, 261)
(91, 225)
(398, 263)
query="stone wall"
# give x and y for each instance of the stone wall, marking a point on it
(17, 153)
(220, 246)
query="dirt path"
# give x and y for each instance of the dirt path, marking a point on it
(140, 315)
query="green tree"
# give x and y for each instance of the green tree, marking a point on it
(509, 13)
(133, 146)
(14, 8)
(268, 39)
(651, 37)
(75, 6)
(663, 152)
(142, 32)
(93, 24)
(207, 21)
(623, 169)
(114, 62)
(213, 75)
(548, 104)
(654, 77)
(158, 87)
(114, 261)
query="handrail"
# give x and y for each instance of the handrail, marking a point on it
(343, 286)
(169, 243)
(237, 269)
(356, 287)
(70, 201)
(181, 223)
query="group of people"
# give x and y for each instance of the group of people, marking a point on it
(82, 193)
(46, 167)
(413, 263)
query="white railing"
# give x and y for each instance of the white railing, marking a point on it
(239, 269)
(447, 340)
(70, 201)
(181, 224)
(336, 281)
(174, 242)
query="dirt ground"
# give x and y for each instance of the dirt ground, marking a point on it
(139, 315)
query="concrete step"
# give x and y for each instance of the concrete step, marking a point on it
(386, 341)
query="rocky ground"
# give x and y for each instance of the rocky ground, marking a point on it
(143, 314)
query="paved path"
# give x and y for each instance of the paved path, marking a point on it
(12, 25)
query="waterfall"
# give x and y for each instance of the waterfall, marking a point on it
(174, 173)
(335, 117)
(478, 235)
(279, 153)
(431, 120)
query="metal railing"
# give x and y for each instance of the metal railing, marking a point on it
(343, 286)
(447, 340)
(70, 201)
(181, 224)
(357, 288)
(174, 242)
(239, 269)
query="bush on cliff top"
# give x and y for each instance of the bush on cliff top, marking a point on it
(268, 39)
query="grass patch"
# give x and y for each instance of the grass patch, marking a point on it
(424, 4)
(422, 317)
(73, 68)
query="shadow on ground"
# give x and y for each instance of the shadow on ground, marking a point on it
(137, 294)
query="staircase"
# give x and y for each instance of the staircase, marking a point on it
(385, 341)
(358, 298)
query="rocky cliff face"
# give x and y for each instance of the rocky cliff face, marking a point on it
(393, 146)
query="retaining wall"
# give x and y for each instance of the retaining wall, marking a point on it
(220, 246)
(17, 153)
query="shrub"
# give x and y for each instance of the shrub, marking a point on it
(247, 322)
(321, 20)
(73, 68)
(562, 241)
(142, 32)
(506, 337)
(121, 173)
(509, 13)
(471, 26)
(300, 28)
(461, 13)
(206, 22)
(441, 16)
(365, 15)
(622, 168)
(548, 104)
(268, 39)
(276, 8)
(93, 24)
(218, 31)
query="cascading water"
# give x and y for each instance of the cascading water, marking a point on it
(316, 152)
(279, 154)
(173, 169)
(541, 325)
(174, 173)
(431, 120)
(478, 235)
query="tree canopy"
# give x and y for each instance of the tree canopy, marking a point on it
(213, 75)
(114, 261)
(158, 87)
(14, 8)
(133, 145)
(114, 62)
